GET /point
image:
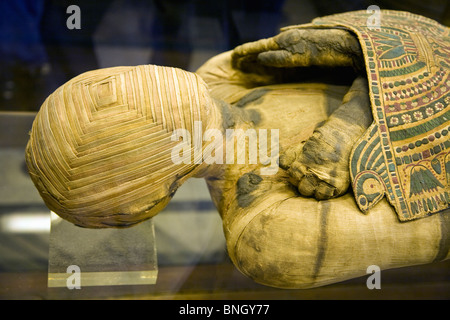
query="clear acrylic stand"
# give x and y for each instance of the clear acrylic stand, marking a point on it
(101, 257)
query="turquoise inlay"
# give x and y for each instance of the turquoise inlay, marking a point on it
(406, 70)
(404, 134)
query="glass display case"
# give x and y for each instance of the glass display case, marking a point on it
(180, 253)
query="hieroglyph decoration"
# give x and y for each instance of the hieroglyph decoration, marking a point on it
(405, 153)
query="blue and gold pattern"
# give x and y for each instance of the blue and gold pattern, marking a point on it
(405, 154)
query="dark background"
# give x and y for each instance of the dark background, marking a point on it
(38, 52)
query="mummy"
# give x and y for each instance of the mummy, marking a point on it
(101, 155)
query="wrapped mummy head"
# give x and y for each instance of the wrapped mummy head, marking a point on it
(100, 147)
